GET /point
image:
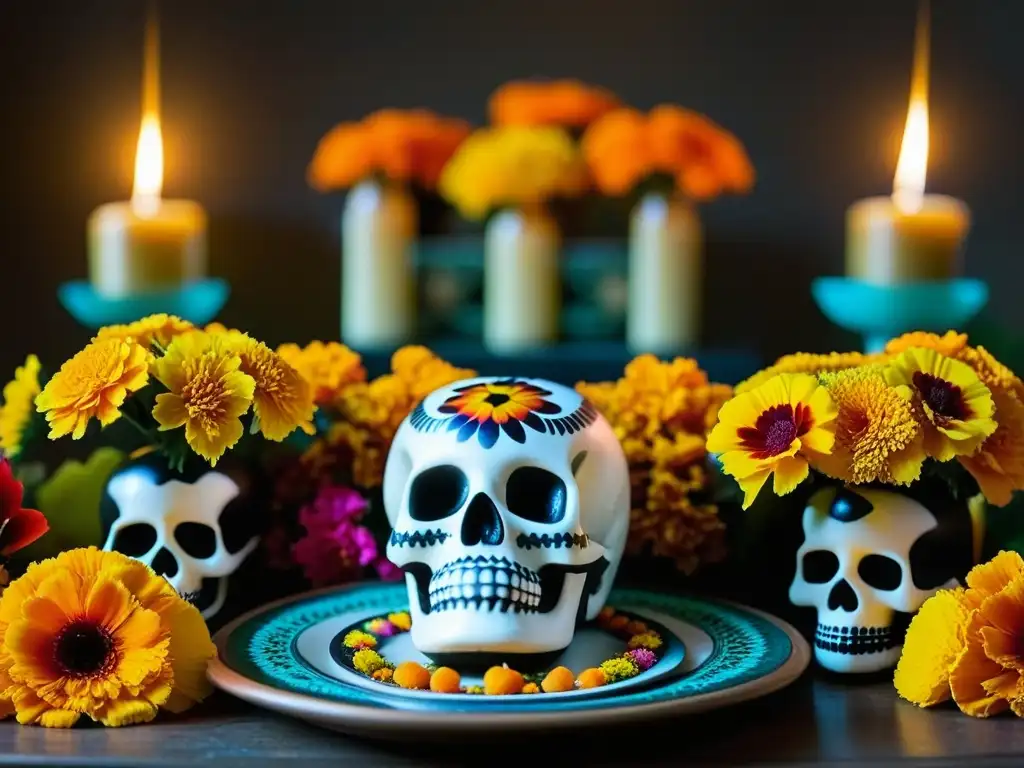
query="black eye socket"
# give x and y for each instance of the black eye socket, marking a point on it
(198, 540)
(135, 540)
(880, 572)
(535, 494)
(437, 493)
(820, 566)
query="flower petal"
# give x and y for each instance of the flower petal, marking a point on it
(58, 718)
(790, 471)
(108, 604)
(127, 712)
(933, 642)
(989, 578)
(967, 679)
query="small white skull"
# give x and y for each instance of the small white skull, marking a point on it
(174, 527)
(855, 567)
(509, 503)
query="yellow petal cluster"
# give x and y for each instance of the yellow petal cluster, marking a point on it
(661, 411)
(926, 397)
(512, 166)
(329, 368)
(369, 414)
(18, 407)
(94, 384)
(968, 644)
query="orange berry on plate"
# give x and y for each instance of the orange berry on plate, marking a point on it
(411, 675)
(531, 688)
(559, 680)
(591, 678)
(636, 628)
(445, 680)
(617, 623)
(501, 681)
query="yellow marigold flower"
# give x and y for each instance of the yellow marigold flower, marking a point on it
(649, 640)
(958, 407)
(950, 344)
(367, 661)
(804, 362)
(98, 634)
(93, 384)
(157, 330)
(993, 374)
(568, 103)
(283, 400)
(18, 406)
(933, 642)
(512, 166)
(208, 394)
(878, 437)
(359, 639)
(401, 620)
(771, 430)
(329, 368)
(619, 668)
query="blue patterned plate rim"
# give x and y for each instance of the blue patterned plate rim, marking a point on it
(754, 654)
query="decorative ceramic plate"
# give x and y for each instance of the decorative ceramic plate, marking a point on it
(732, 654)
(321, 647)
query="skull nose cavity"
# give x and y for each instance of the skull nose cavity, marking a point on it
(164, 564)
(842, 596)
(482, 523)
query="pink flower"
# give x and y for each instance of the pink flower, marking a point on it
(386, 570)
(644, 658)
(335, 549)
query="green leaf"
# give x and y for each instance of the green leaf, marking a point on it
(70, 499)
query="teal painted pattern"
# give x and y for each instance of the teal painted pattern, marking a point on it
(746, 647)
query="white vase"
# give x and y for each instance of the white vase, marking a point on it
(522, 282)
(666, 255)
(378, 287)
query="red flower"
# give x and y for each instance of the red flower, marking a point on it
(18, 527)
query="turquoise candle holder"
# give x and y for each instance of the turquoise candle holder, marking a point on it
(198, 302)
(881, 312)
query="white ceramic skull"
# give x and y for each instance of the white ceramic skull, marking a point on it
(509, 503)
(175, 527)
(856, 568)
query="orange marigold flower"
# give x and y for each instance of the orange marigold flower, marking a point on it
(705, 159)
(98, 634)
(998, 466)
(965, 644)
(564, 103)
(617, 151)
(329, 368)
(93, 384)
(407, 146)
(949, 344)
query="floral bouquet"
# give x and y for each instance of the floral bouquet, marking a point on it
(188, 391)
(927, 407)
(661, 412)
(327, 519)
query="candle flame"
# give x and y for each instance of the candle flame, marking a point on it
(912, 167)
(149, 154)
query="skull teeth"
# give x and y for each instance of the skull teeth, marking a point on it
(855, 641)
(500, 586)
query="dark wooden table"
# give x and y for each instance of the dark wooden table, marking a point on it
(817, 720)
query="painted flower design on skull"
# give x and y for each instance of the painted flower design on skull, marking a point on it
(485, 409)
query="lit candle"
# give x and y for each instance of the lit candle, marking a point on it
(909, 236)
(147, 244)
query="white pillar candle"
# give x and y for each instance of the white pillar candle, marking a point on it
(378, 288)
(665, 276)
(522, 282)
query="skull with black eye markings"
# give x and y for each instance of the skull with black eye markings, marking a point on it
(509, 503)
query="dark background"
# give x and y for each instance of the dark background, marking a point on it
(817, 91)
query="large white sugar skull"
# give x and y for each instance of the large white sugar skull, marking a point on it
(186, 530)
(870, 558)
(509, 503)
